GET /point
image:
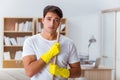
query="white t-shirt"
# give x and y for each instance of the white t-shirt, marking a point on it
(37, 45)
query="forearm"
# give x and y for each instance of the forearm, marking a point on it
(75, 72)
(33, 67)
(36, 66)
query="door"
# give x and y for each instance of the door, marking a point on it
(108, 40)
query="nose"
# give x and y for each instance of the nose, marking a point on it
(52, 22)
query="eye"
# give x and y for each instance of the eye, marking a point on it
(57, 20)
(49, 19)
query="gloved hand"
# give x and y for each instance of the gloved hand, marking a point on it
(54, 50)
(56, 70)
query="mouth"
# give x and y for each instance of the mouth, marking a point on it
(52, 28)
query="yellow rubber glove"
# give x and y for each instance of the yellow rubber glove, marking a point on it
(54, 50)
(56, 70)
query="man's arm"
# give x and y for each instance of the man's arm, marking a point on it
(75, 70)
(32, 65)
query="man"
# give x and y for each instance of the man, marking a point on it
(40, 49)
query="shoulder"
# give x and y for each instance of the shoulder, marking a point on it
(32, 38)
(66, 40)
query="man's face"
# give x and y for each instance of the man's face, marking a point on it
(51, 22)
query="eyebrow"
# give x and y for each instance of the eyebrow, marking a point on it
(51, 17)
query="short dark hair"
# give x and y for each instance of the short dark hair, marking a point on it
(54, 9)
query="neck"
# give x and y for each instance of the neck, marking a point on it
(49, 36)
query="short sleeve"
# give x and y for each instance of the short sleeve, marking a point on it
(73, 58)
(28, 48)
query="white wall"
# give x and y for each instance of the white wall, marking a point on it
(81, 28)
(83, 18)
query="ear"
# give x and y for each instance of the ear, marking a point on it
(43, 20)
(60, 22)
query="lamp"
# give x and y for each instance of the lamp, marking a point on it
(91, 40)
